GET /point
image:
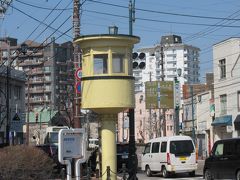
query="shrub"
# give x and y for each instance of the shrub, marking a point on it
(25, 162)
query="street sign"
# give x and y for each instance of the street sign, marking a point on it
(16, 117)
(78, 87)
(159, 94)
(78, 74)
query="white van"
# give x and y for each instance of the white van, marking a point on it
(169, 155)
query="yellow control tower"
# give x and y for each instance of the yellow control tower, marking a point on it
(107, 86)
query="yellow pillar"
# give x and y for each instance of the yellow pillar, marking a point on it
(108, 135)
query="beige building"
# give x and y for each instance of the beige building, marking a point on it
(226, 65)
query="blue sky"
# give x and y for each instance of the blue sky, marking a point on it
(23, 16)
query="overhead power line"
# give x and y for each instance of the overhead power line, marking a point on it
(36, 19)
(166, 13)
(162, 21)
(139, 9)
(43, 20)
(46, 8)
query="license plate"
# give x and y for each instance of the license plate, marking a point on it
(182, 158)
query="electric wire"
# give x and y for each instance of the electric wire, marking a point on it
(163, 21)
(48, 24)
(40, 7)
(166, 13)
(43, 20)
(52, 22)
(36, 19)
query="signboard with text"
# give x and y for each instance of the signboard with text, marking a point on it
(72, 144)
(159, 94)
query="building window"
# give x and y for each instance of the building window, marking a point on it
(238, 99)
(17, 92)
(223, 104)
(100, 64)
(222, 65)
(118, 63)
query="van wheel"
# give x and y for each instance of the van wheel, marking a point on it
(208, 175)
(165, 173)
(148, 171)
(192, 174)
(238, 175)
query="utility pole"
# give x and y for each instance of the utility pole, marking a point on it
(7, 97)
(150, 113)
(132, 147)
(28, 110)
(77, 63)
(162, 78)
(193, 126)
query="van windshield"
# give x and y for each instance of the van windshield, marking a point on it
(180, 148)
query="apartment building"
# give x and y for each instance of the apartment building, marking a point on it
(176, 55)
(226, 65)
(49, 70)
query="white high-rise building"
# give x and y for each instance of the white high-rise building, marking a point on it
(175, 55)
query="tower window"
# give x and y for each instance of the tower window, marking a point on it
(118, 63)
(100, 64)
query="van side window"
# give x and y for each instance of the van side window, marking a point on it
(155, 147)
(147, 148)
(163, 146)
(238, 148)
(219, 150)
(229, 148)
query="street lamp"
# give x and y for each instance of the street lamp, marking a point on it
(177, 100)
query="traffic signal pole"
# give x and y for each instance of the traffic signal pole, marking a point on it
(132, 148)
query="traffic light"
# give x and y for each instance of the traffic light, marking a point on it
(36, 117)
(139, 60)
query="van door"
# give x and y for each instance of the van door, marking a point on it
(146, 156)
(182, 152)
(163, 153)
(155, 157)
(228, 161)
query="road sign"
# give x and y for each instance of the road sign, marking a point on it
(78, 73)
(78, 87)
(16, 117)
(159, 94)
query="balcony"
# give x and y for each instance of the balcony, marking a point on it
(36, 81)
(63, 82)
(61, 63)
(38, 100)
(63, 72)
(36, 90)
(30, 62)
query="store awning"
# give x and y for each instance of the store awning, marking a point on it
(223, 121)
(237, 122)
